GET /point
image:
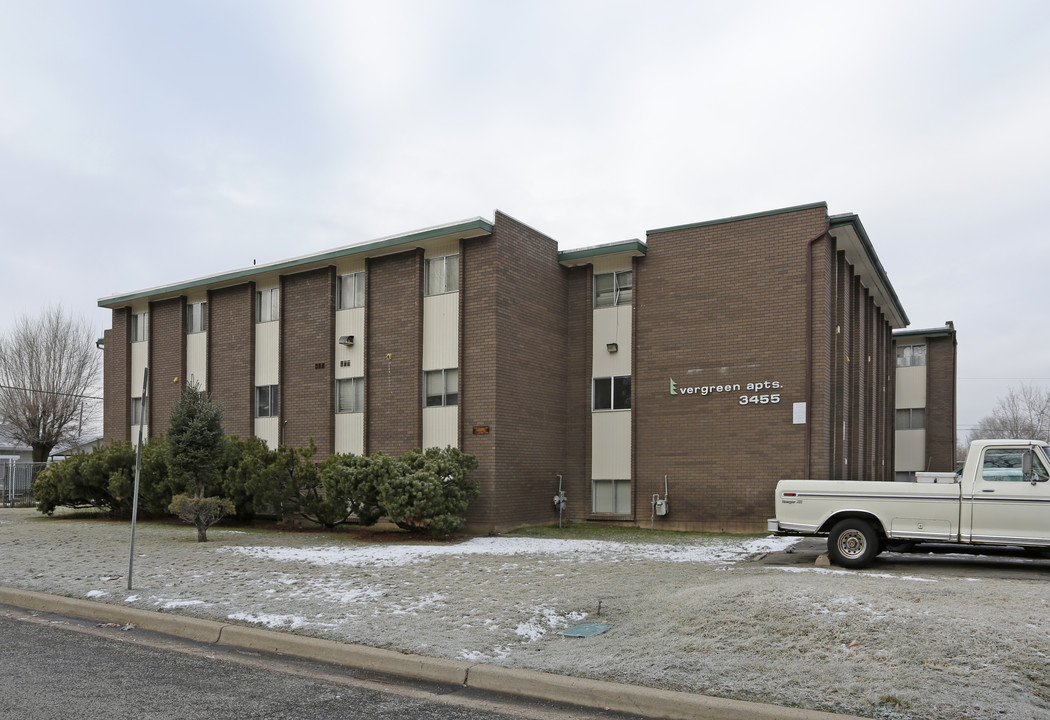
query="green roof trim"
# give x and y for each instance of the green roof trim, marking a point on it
(632, 246)
(854, 220)
(736, 218)
(475, 227)
(947, 330)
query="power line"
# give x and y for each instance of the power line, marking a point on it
(51, 392)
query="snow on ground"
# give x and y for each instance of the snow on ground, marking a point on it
(697, 615)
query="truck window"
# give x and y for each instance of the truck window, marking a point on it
(1004, 465)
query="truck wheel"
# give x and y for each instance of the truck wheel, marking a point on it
(853, 543)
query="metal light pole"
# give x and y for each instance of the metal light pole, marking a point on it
(138, 471)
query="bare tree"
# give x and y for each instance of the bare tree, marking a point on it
(1024, 413)
(48, 367)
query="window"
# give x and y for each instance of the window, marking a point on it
(611, 496)
(442, 275)
(1004, 465)
(138, 411)
(612, 393)
(267, 305)
(350, 395)
(266, 401)
(196, 317)
(612, 289)
(139, 327)
(351, 291)
(441, 387)
(911, 419)
(911, 355)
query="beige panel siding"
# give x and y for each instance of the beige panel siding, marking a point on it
(439, 249)
(350, 433)
(909, 451)
(440, 427)
(611, 325)
(614, 263)
(350, 322)
(267, 341)
(441, 331)
(611, 445)
(197, 359)
(267, 429)
(911, 387)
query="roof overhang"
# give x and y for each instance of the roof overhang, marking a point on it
(587, 255)
(473, 228)
(852, 239)
(946, 331)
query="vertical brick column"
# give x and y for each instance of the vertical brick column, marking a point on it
(116, 369)
(577, 400)
(394, 354)
(167, 361)
(843, 360)
(307, 406)
(231, 355)
(940, 402)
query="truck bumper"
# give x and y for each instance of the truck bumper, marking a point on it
(773, 525)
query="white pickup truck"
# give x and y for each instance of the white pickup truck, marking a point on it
(1000, 497)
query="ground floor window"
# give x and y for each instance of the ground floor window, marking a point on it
(911, 419)
(441, 387)
(611, 496)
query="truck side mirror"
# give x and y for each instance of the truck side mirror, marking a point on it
(1026, 466)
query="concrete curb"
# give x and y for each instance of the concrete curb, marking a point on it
(649, 702)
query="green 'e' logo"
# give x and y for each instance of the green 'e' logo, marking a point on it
(673, 386)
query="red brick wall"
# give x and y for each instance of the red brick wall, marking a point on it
(231, 356)
(843, 362)
(578, 349)
(531, 380)
(167, 361)
(940, 402)
(721, 304)
(394, 327)
(479, 298)
(116, 368)
(307, 387)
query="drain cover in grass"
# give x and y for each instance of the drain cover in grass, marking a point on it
(585, 630)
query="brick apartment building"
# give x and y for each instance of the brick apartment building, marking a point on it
(722, 356)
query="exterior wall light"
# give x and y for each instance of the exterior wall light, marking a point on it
(612, 347)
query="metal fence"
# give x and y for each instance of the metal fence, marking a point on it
(16, 482)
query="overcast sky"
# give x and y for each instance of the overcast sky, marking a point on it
(143, 143)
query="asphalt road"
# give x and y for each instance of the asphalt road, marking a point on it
(53, 667)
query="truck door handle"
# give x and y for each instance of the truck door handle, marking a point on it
(987, 489)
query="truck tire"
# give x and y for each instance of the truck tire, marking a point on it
(853, 543)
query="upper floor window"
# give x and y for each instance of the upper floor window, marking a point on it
(442, 275)
(266, 401)
(350, 395)
(267, 305)
(196, 317)
(441, 387)
(911, 419)
(612, 393)
(911, 355)
(611, 289)
(351, 291)
(139, 327)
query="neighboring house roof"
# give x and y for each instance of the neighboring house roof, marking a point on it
(88, 445)
(9, 444)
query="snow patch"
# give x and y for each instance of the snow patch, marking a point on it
(95, 593)
(291, 622)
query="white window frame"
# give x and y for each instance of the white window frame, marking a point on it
(449, 379)
(139, 330)
(613, 381)
(448, 274)
(911, 355)
(351, 291)
(356, 398)
(618, 508)
(622, 288)
(268, 305)
(272, 395)
(196, 317)
(138, 411)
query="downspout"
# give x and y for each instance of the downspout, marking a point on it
(809, 344)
